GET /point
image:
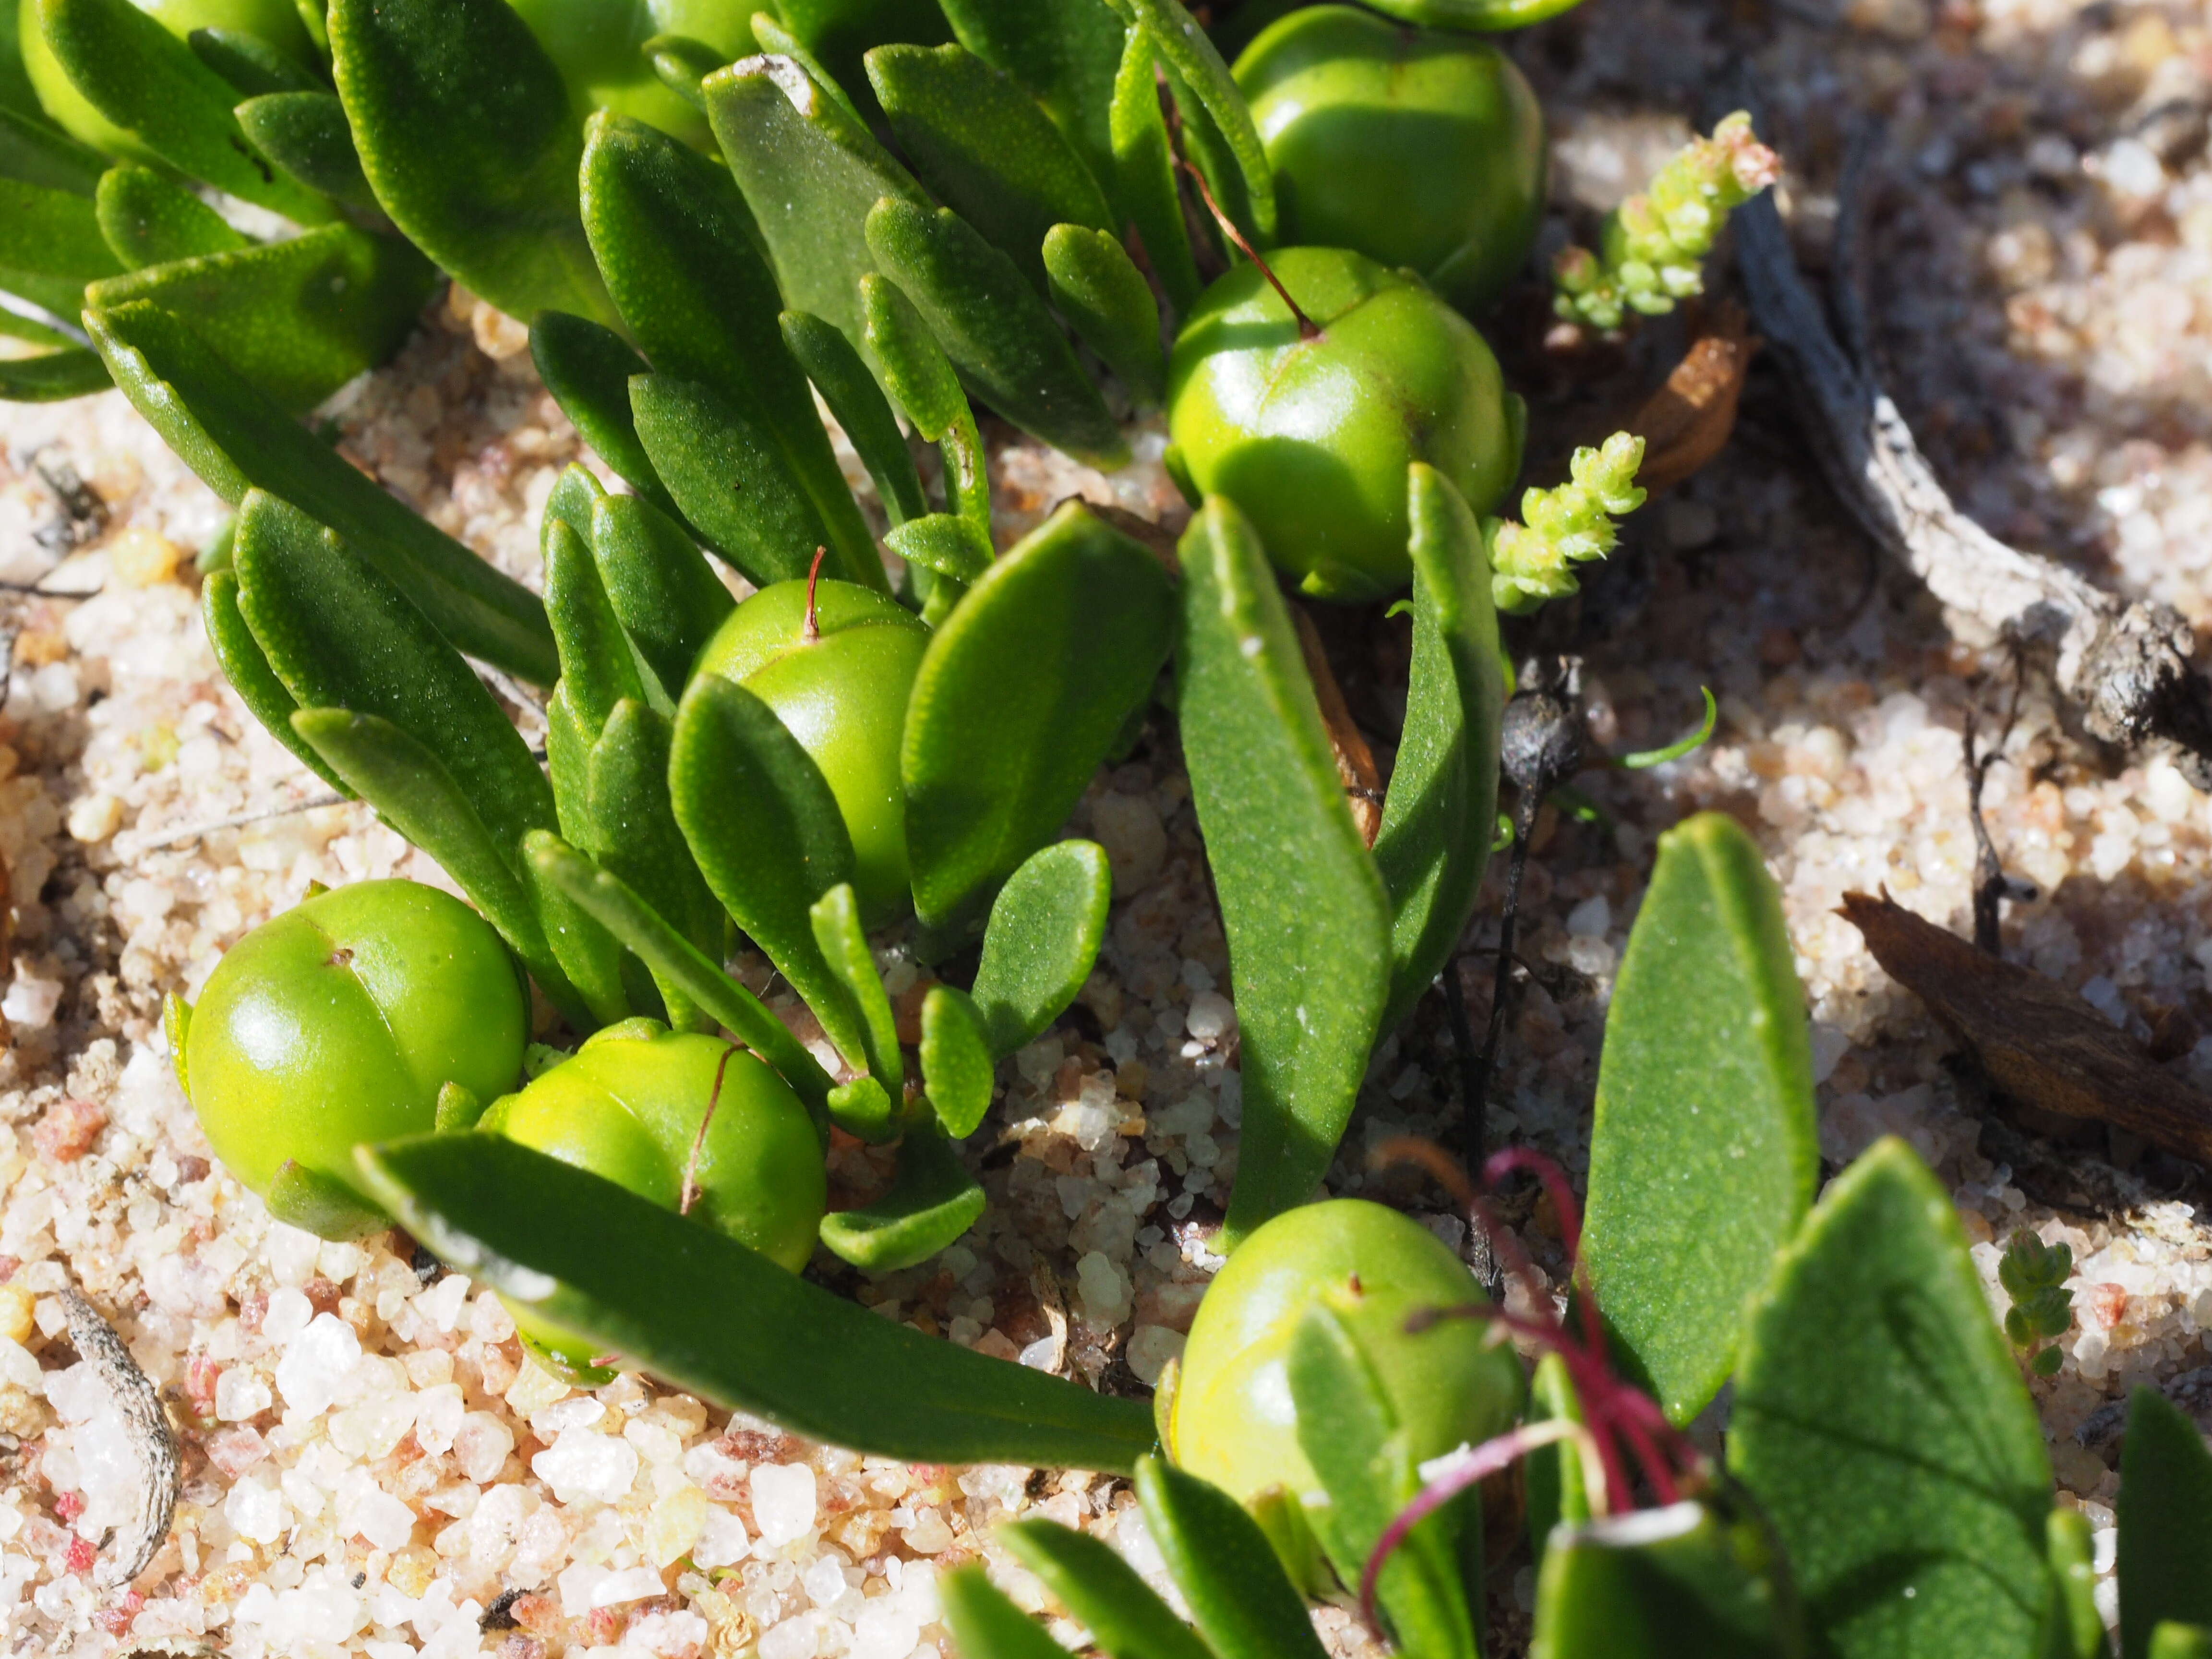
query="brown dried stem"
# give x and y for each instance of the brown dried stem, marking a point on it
(1355, 761)
(146, 1426)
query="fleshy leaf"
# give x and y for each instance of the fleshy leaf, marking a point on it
(1192, 57)
(1434, 839)
(844, 945)
(635, 1276)
(917, 372)
(932, 1200)
(587, 368)
(34, 153)
(1063, 52)
(986, 148)
(668, 598)
(236, 437)
(1144, 171)
(2166, 1523)
(1704, 1153)
(1008, 349)
(53, 377)
(1679, 1583)
(145, 219)
(1021, 693)
(627, 781)
(986, 1624)
(1558, 1495)
(468, 138)
(1097, 288)
(247, 62)
(307, 135)
(597, 669)
(246, 667)
(1045, 929)
(771, 37)
(955, 1061)
(1882, 1426)
(1297, 885)
(834, 364)
(2072, 1547)
(459, 1109)
(1125, 1618)
(839, 31)
(2181, 1642)
(50, 246)
(1227, 1570)
(314, 1202)
(944, 544)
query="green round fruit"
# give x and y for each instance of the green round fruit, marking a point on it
(275, 21)
(1417, 149)
(595, 45)
(1233, 1421)
(628, 1106)
(1311, 438)
(844, 696)
(338, 1022)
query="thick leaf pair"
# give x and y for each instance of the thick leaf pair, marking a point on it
(299, 317)
(1330, 944)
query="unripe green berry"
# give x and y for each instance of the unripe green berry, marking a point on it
(1233, 1420)
(1311, 437)
(843, 695)
(1417, 148)
(338, 1022)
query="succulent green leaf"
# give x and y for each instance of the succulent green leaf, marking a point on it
(248, 62)
(1105, 299)
(2072, 1548)
(985, 1624)
(768, 836)
(1297, 884)
(618, 908)
(636, 1278)
(145, 219)
(236, 438)
(844, 945)
(770, 36)
(839, 31)
(315, 1203)
(1125, 1618)
(1557, 1493)
(575, 495)
(298, 317)
(2166, 1523)
(1021, 693)
(955, 1061)
(1704, 1154)
(945, 544)
(1350, 1434)
(677, 249)
(34, 152)
(810, 172)
(50, 246)
(1043, 936)
(1227, 1570)
(246, 667)
(668, 596)
(53, 377)
(932, 1200)
(307, 136)
(682, 62)
(597, 669)
(1679, 1583)
(1008, 349)
(1064, 53)
(468, 139)
(15, 326)
(569, 762)
(587, 368)
(627, 781)
(730, 476)
(1434, 840)
(150, 84)
(1144, 183)
(412, 790)
(986, 148)
(2181, 1642)
(915, 369)
(1882, 1425)
(1191, 56)
(459, 1109)
(834, 364)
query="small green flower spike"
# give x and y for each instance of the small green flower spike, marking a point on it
(1530, 563)
(2034, 1275)
(1651, 244)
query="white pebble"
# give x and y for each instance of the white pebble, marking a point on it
(316, 1363)
(31, 1001)
(885, 1629)
(722, 1542)
(582, 1464)
(823, 1581)
(783, 1503)
(481, 1444)
(256, 1511)
(1210, 1017)
(1151, 1347)
(240, 1393)
(794, 1639)
(1591, 919)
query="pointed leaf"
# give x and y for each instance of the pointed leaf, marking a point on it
(145, 219)
(1704, 1153)
(176, 109)
(1020, 695)
(1225, 1566)
(247, 62)
(1144, 183)
(986, 148)
(236, 438)
(635, 1276)
(1045, 930)
(1007, 347)
(768, 836)
(246, 667)
(1298, 890)
(597, 670)
(943, 544)
(468, 138)
(844, 945)
(932, 1200)
(668, 598)
(307, 135)
(955, 1061)
(1437, 820)
(1191, 56)
(587, 368)
(677, 249)
(1097, 288)
(918, 373)
(2166, 1523)
(618, 908)
(834, 364)
(53, 377)
(1063, 52)
(315, 1203)
(986, 1624)
(729, 476)
(1880, 1423)
(298, 317)
(810, 172)
(459, 1109)
(1671, 1584)
(1101, 1592)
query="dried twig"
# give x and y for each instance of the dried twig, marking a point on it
(1355, 761)
(2120, 668)
(1687, 421)
(179, 838)
(160, 1473)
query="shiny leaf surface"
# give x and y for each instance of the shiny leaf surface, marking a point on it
(587, 368)
(1063, 52)
(844, 945)
(1087, 1575)
(1097, 288)
(145, 219)
(955, 1061)
(1670, 1583)
(307, 135)
(1043, 936)
(1227, 1570)
(668, 596)
(932, 1200)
